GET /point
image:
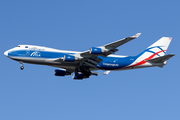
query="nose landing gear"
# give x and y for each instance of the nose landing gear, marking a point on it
(22, 67)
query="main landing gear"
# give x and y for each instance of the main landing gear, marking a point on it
(22, 67)
(85, 72)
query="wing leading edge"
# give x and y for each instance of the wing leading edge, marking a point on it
(121, 42)
(111, 47)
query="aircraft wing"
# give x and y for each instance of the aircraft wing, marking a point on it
(110, 48)
(90, 59)
(121, 42)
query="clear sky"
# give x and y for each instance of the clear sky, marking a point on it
(36, 94)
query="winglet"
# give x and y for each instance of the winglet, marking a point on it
(106, 73)
(136, 35)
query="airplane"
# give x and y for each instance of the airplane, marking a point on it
(83, 64)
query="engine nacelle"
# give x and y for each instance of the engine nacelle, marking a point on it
(69, 58)
(61, 73)
(95, 50)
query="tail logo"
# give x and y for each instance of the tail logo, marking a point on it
(149, 57)
(151, 51)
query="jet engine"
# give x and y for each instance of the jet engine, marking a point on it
(61, 73)
(95, 50)
(69, 58)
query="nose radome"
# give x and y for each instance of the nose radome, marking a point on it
(6, 53)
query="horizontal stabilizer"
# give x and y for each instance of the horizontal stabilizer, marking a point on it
(161, 59)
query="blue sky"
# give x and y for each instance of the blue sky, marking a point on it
(36, 94)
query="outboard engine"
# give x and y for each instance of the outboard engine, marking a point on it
(95, 50)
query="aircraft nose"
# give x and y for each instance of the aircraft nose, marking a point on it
(6, 53)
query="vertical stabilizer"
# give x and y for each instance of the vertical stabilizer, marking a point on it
(157, 49)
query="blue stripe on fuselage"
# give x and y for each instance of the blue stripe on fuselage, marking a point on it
(36, 54)
(111, 63)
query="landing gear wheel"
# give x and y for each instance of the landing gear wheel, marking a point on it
(76, 72)
(85, 71)
(22, 67)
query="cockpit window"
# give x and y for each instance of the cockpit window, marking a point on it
(18, 46)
